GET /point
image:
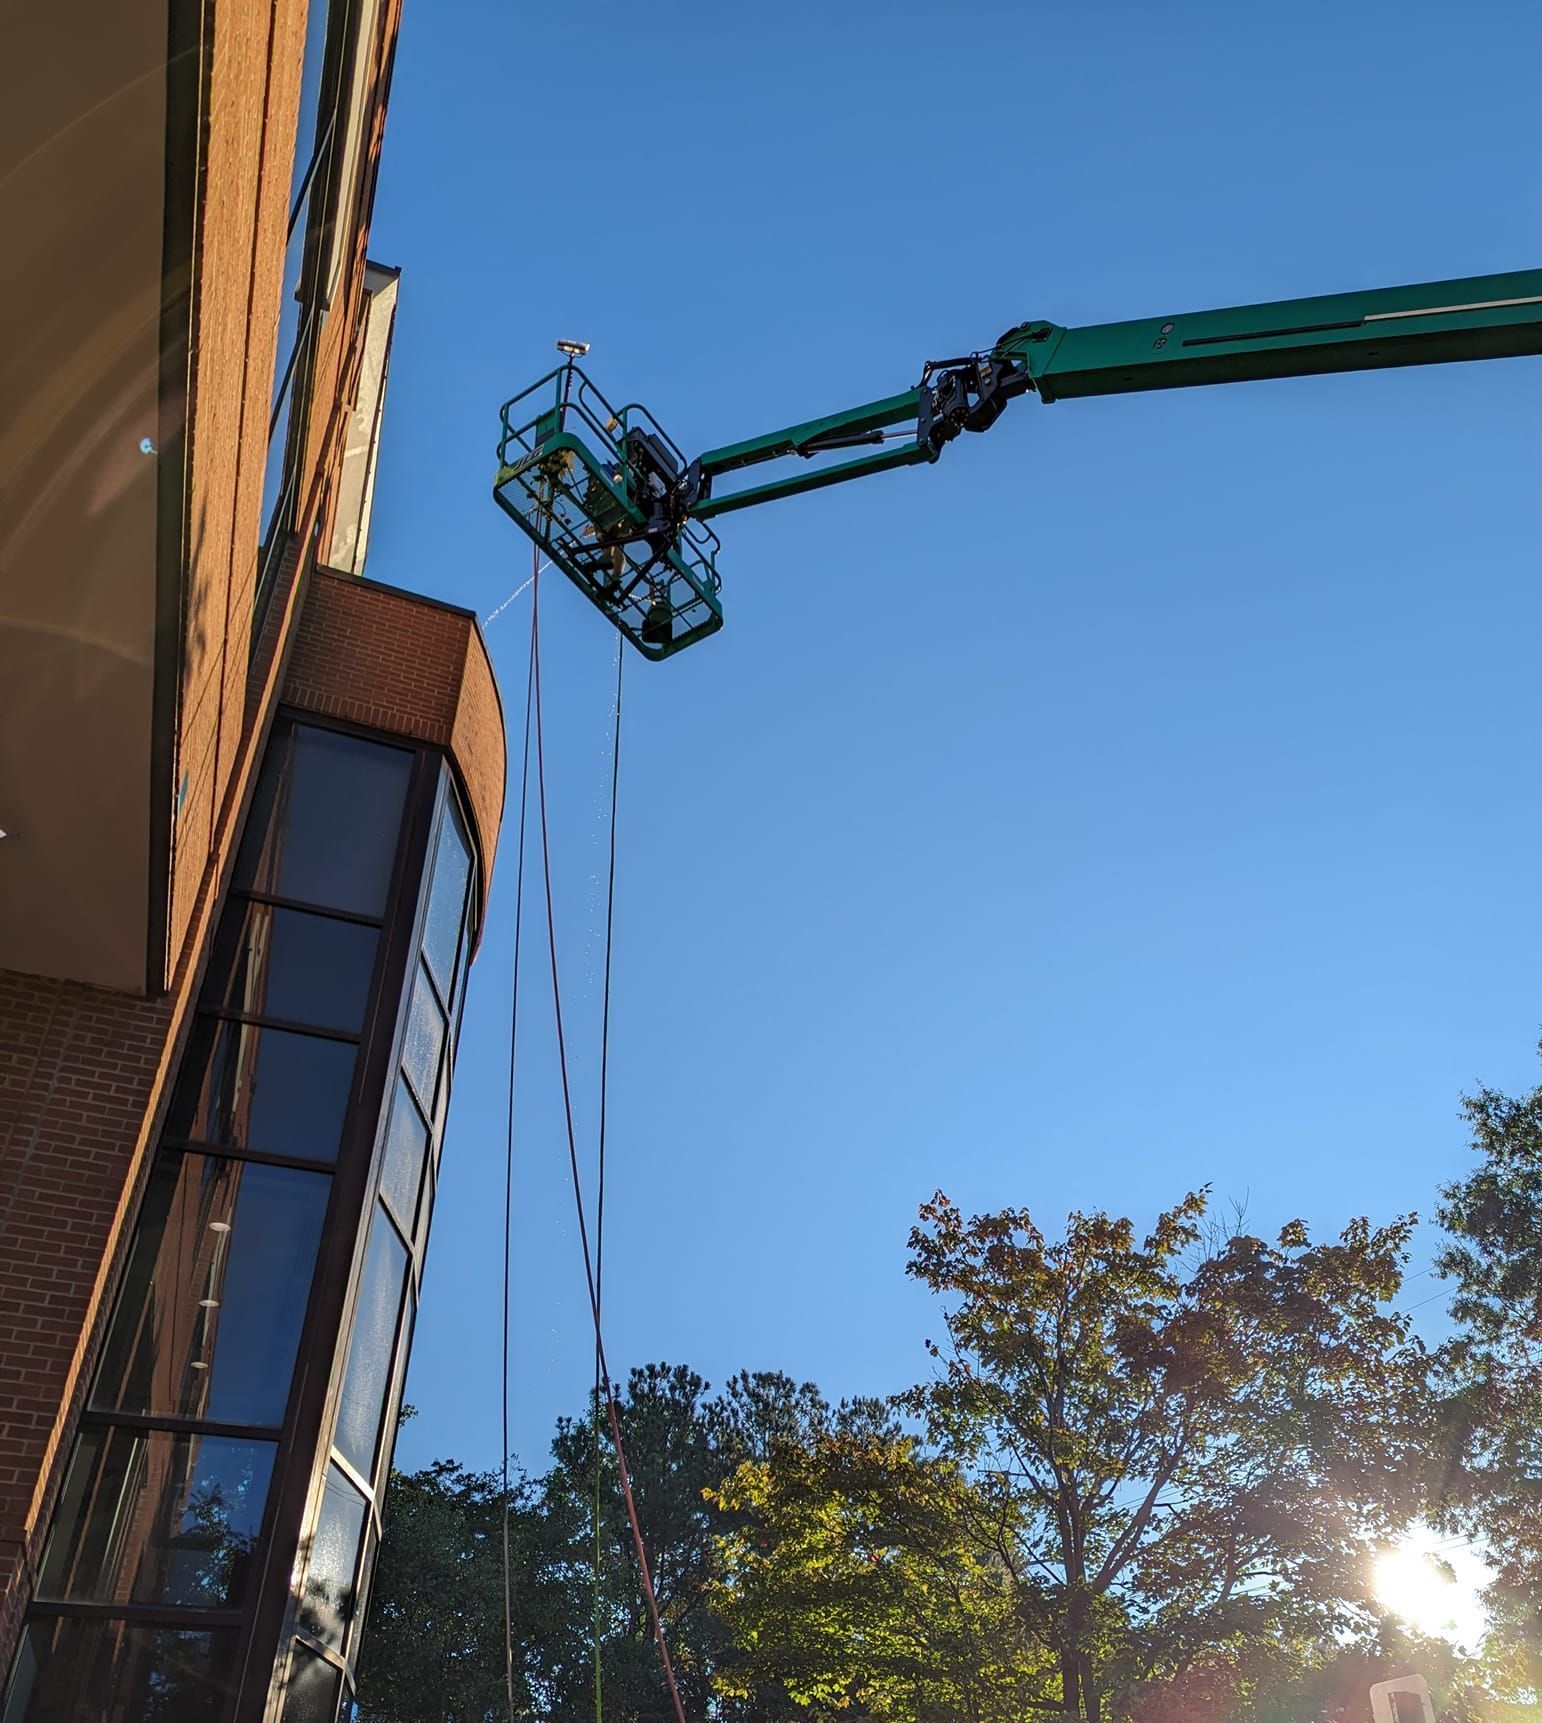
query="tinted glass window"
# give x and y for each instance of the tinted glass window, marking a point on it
(447, 903)
(284, 963)
(215, 1292)
(423, 1041)
(272, 1089)
(110, 1672)
(326, 1602)
(149, 1517)
(326, 820)
(372, 1347)
(406, 1149)
(310, 1694)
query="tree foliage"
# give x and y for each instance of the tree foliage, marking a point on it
(1144, 1482)
(853, 1582)
(1492, 1367)
(1190, 1444)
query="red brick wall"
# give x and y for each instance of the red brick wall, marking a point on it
(80, 1074)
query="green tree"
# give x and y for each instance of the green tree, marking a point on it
(434, 1646)
(681, 1441)
(1491, 1371)
(434, 1642)
(1187, 1446)
(851, 1581)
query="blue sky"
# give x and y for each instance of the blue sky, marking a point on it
(1144, 796)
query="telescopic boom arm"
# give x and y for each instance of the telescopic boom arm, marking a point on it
(623, 513)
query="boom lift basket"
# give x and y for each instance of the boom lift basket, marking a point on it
(596, 487)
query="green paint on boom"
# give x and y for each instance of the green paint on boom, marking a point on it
(620, 510)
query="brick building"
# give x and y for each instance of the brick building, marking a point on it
(250, 801)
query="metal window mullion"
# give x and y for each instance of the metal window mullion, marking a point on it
(172, 1615)
(303, 1637)
(174, 1424)
(322, 145)
(352, 1473)
(272, 900)
(259, 1157)
(288, 1025)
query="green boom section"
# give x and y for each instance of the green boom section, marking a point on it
(1476, 317)
(615, 504)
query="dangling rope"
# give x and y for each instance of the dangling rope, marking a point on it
(508, 1171)
(599, 1209)
(606, 1386)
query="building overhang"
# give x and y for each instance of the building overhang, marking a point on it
(96, 142)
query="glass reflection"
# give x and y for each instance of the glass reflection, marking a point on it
(447, 903)
(310, 1693)
(248, 1087)
(151, 1517)
(423, 1041)
(215, 1292)
(311, 969)
(326, 1600)
(110, 1672)
(406, 1150)
(372, 1347)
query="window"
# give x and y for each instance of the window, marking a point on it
(372, 1348)
(424, 1040)
(292, 965)
(352, 152)
(154, 1517)
(209, 1319)
(447, 905)
(298, 306)
(311, 1692)
(265, 1089)
(326, 1600)
(325, 827)
(73, 1671)
(170, 1486)
(406, 1151)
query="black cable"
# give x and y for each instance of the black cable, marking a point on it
(508, 1167)
(599, 1219)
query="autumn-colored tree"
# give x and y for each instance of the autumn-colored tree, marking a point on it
(1183, 1449)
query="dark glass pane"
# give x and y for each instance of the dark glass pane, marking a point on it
(149, 1517)
(310, 133)
(284, 963)
(215, 1293)
(406, 1149)
(447, 903)
(273, 1089)
(326, 819)
(111, 1672)
(372, 1347)
(423, 1041)
(310, 1693)
(326, 1600)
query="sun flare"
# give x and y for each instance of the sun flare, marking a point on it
(1435, 1587)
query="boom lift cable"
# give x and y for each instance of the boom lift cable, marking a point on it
(599, 1204)
(606, 1385)
(508, 1172)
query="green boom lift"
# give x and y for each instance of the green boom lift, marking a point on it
(618, 507)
